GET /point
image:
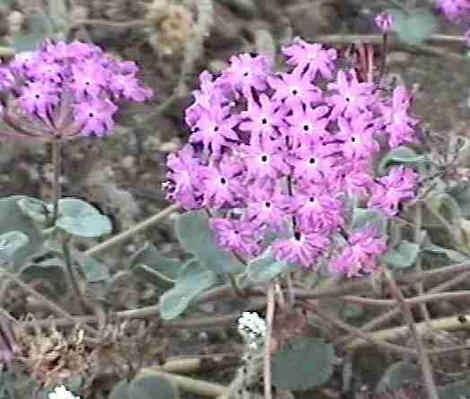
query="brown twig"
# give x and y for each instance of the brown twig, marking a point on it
(423, 358)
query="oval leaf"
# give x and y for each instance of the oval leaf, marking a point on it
(153, 387)
(263, 268)
(81, 219)
(196, 237)
(193, 280)
(10, 243)
(403, 255)
(304, 363)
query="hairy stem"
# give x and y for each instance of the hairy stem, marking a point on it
(57, 165)
(271, 305)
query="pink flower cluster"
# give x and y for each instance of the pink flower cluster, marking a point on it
(66, 89)
(276, 157)
(457, 11)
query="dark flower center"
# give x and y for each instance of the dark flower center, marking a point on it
(264, 158)
(267, 204)
(306, 127)
(295, 92)
(223, 180)
(311, 160)
(353, 139)
(91, 114)
(264, 121)
(216, 129)
(311, 199)
(297, 236)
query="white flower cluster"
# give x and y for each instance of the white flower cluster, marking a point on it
(252, 328)
(62, 393)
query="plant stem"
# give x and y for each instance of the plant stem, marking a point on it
(72, 278)
(271, 307)
(57, 165)
(423, 358)
(131, 232)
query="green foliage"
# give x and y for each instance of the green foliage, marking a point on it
(146, 387)
(12, 219)
(362, 218)
(193, 279)
(397, 376)
(93, 271)
(149, 265)
(402, 255)
(461, 194)
(398, 156)
(39, 27)
(10, 243)
(263, 269)
(34, 208)
(196, 237)
(415, 26)
(81, 219)
(304, 363)
(456, 390)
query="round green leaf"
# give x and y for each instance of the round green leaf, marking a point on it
(120, 391)
(10, 243)
(193, 280)
(398, 156)
(415, 26)
(263, 268)
(304, 363)
(81, 219)
(196, 237)
(151, 266)
(153, 387)
(403, 255)
(34, 208)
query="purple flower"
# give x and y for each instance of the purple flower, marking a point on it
(308, 126)
(314, 59)
(350, 97)
(38, 98)
(398, 124)
(184, 178)
(222, 185)
(266, 207)
(454, 9)
(264, 161)
(282, 153)
(68, 90)
(357, 137)
(215, 129)
(393, 189)
(247, 73)
(360, 256)
(294, 89)
(95, 117)
(262, 119)
(236, 235)
(301, 249)
(384, 21)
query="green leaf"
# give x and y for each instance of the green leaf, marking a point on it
(263, 268)
(151, 266)
(81, 219)
(398, 375)
(94, 271)
(461, 194)
(34, 208)
(121, 391)
(196, 237)
(451, 254)
(455, 390)
(403, 255)
(153, 387)
(10, 243)
(370, 218)
(12, 219)
(399, 156)
(415, 26)
(24, 42)
(304, 363)
(52, 270)
(193, 280)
